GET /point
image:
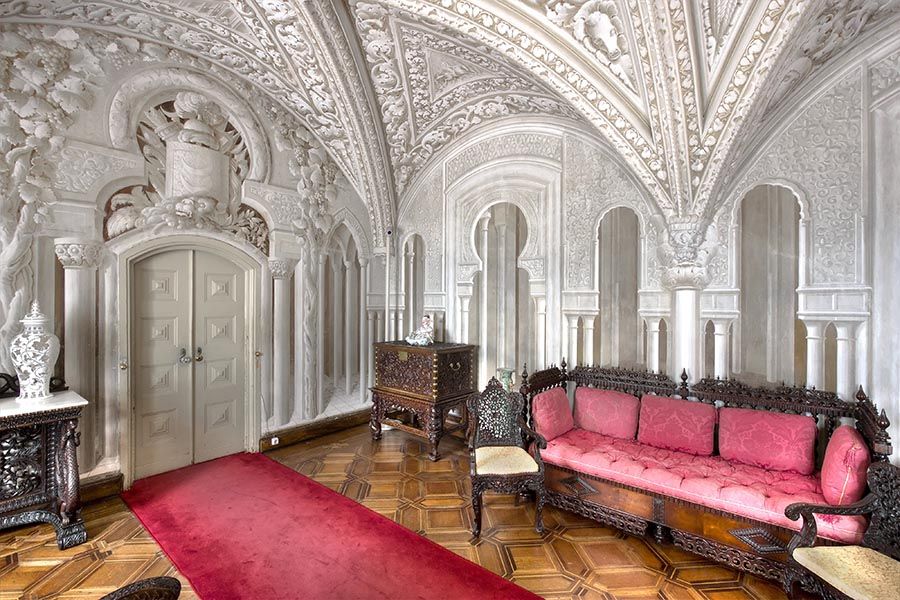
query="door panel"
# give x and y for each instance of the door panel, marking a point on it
(161, 384)
(219, 378)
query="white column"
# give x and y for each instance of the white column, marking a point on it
(410, 291)
(320, 337)
(371, 330)
(653, 344)
(846, 359)
(720, 363)
(300, 405)
(483, 304)
(337, 319)
(686, 331)
(80, 259)
(815, 353)
(365, 342)
(540, 309)
(501, 296)
(572, 358)
(349, 311)
(282, 269)
(588, 340)
(464, 318)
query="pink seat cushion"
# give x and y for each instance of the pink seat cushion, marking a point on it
(677, 424)
(551, 413)
(607, 412)
(710, 481)
(769, 440)
(844, 470)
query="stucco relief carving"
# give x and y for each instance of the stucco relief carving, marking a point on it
(719, 18)
(78, 254)
(592, 183)
(685, 249)
(425, 216)
(884, 76)
(45, 77)
(80, 167)
(283, 205)
(717, 268)
(821, 151)
(513, 144)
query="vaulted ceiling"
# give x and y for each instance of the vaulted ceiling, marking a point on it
(675, 86)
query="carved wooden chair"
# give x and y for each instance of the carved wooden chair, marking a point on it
(870, 571)
(497, 456)
(154, 588)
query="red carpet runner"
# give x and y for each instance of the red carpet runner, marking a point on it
(245, 526)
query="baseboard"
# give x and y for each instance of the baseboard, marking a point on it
(102, 487)
(308, 431)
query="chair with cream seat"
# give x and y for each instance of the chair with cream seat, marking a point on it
(870, 571)
(498, 458)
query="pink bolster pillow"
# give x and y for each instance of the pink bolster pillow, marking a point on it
(551, 413)
(607, 412)
(773, 441)
(677, 424)
(844, 470)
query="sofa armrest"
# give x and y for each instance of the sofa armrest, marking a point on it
(806, 537)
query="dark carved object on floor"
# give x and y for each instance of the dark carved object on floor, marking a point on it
(424, 383)
(498, 460)
(155, 588)
(740, 542)
(881, 536)
(39, 467)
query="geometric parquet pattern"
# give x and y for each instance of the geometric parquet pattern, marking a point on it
(574, 558)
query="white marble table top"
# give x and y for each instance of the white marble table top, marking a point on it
(12, 407)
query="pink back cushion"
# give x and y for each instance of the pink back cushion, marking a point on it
(844, 470)
(551, 413)
(677, 425)
(769, 440)
(604, 411)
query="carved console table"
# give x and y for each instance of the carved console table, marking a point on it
(423, 383)
(38, 465)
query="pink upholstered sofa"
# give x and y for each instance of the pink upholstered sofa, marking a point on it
(711, 467)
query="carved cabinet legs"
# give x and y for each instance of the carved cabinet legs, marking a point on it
(434, 429)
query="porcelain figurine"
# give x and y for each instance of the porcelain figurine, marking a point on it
(33, 354)
(424, 335)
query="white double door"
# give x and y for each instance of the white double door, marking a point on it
(188, 359)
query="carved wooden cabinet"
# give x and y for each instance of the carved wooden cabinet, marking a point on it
(417, 386)
(38, 465)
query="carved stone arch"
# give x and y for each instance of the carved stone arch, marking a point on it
(152, 86)
(345, 216)
(643, 221)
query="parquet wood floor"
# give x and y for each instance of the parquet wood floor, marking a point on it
(574, 558)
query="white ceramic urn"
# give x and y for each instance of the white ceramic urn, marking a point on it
(33, 354)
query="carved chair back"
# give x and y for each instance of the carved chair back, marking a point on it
(883, 533)
(826, 407)
(493, 416)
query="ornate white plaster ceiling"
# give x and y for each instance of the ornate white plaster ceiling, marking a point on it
(673, 86)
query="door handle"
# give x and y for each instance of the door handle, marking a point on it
(199, 357)
(183, 358)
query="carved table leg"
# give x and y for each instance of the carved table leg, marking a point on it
(434, 429)
(476, 508)
(375, 419)
(70, 528)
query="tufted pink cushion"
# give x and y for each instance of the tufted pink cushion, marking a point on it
(769, 440)
(844, 470)
(607, 412)
(551, 413)
(711, 481)
(677, 424)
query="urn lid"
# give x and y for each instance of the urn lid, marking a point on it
(35, 316)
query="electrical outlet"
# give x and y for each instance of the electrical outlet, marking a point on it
(275, 441)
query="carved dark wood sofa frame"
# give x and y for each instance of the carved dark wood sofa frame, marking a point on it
(737, 541)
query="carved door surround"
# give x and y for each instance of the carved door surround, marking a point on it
(133, 247)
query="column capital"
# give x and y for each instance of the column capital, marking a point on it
(652, 324)
(363, 262)
(846, 330)
(75, 253)
(282, 268)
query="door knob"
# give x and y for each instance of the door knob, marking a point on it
(199, 357)
(183, 358)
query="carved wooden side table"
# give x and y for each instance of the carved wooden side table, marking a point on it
(423, 384)
(38, 465)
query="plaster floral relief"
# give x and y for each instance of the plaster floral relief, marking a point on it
(82, 166)
(821, 151)
(512, 144)
(425, 216)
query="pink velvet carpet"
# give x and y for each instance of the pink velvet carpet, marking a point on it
(245, 526)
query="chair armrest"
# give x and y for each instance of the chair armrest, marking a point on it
(806, 537)
(529, 432)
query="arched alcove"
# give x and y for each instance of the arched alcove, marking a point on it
(413, 282)
(616, 339)
(769, 276)
(709, 350)
(829, 347)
